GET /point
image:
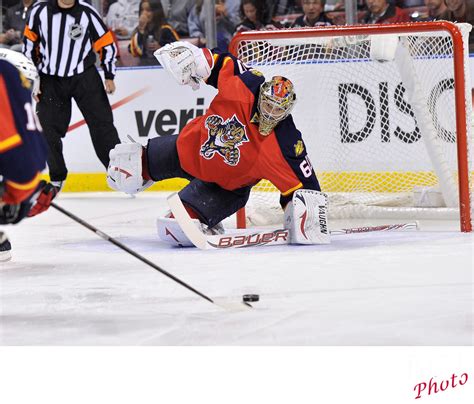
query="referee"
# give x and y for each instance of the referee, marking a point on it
(62, 38)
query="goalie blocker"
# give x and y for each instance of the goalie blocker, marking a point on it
(124, 172)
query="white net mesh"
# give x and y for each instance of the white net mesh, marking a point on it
(377, 113)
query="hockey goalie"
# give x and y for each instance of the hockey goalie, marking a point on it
(247, 134)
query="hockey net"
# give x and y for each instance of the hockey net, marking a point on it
(385, 113)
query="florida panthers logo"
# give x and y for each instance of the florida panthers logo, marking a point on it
(225, 137)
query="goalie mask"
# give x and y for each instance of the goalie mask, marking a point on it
(276, 100)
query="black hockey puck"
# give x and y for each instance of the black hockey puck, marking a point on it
(250, 298)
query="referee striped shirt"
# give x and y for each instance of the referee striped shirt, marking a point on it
(61, 42)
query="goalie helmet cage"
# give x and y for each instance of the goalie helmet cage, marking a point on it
(385, 113)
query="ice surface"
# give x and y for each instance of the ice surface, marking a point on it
(67, 286)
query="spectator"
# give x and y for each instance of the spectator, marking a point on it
(152, 32)
(122, 17)
(9, 3)
(333, 5)
(106, 5)
(435, 9)
(288, 7)
(196, 23)
(382, 12)
(460, 11)
(227, 17)
(176, 13)
(251, 13)
(313, 16)
(15, 20)
(284, 7)
(284, 11)
(66, 75)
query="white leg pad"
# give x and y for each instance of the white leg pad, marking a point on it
(306, 218)
(125, 168)
(170, 232)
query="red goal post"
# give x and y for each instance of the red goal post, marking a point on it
(429, 44)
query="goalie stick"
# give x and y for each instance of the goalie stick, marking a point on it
(257, 238)
(218, 302)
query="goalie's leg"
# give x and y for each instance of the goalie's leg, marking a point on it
(162, 159)
(211, 203)
(207, 204)
(306, 218)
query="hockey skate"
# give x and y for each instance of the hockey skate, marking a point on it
(5, 248)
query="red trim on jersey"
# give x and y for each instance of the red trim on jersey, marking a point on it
(16, 193)
(9, 137)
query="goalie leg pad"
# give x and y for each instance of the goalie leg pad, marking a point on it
(124, 172)
(306, 218)
(170, 231)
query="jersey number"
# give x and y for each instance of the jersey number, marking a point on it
(33, 121)
(306, 167)
(242, 67)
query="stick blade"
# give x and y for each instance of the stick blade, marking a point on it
(232, 306)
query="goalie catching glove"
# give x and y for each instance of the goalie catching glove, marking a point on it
(306, 218)
(187, 63)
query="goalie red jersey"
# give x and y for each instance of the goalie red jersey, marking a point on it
(225, 147)
(22, 148)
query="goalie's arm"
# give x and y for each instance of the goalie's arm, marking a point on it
(291, 166)
(225, 67)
